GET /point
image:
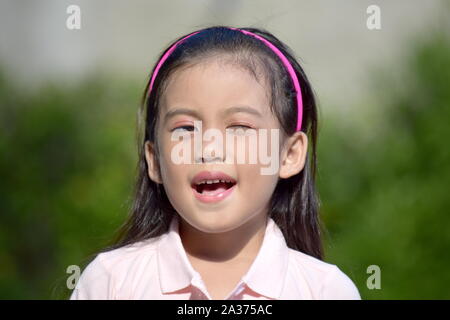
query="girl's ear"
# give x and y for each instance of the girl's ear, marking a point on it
(150, 157)
(293, 156)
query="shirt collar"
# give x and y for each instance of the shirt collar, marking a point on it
(265, 276)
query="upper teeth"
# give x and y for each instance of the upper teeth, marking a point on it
(213, 181)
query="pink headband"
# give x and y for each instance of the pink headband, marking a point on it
(285, 61)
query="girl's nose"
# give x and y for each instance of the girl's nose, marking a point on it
(210, 151)
(211, 155)
(211, 159)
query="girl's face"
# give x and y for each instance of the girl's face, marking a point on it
(210, 92)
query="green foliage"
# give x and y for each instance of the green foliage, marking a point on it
(385, 191)
(67, 166)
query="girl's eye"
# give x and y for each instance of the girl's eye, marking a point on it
(241, 126)
(240, 129)
(182, 128)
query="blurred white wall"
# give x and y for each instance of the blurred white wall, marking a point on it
(330, 37)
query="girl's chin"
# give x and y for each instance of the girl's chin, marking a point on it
(214, 219)
(216, 225)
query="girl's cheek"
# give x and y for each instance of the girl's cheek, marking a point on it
(175, 166)
(180, 150)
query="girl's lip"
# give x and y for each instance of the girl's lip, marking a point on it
(211, 175)
(215, 197)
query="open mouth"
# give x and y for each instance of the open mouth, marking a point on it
(212, 187)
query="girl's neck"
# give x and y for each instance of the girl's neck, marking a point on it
(238, 245)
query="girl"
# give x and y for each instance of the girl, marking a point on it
(211, 227)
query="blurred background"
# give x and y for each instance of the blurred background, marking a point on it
(68, 106)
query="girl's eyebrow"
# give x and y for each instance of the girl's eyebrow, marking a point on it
(245, 109)
(174, 112)
(194, 113)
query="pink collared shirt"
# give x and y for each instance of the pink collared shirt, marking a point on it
(158, 268)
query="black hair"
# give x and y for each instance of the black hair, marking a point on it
(294, 205)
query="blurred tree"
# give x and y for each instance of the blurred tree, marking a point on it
(66, 168)
(385, 191)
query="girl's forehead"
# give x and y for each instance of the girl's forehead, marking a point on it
(215, 84)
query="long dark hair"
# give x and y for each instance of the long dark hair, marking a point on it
(294, 205)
